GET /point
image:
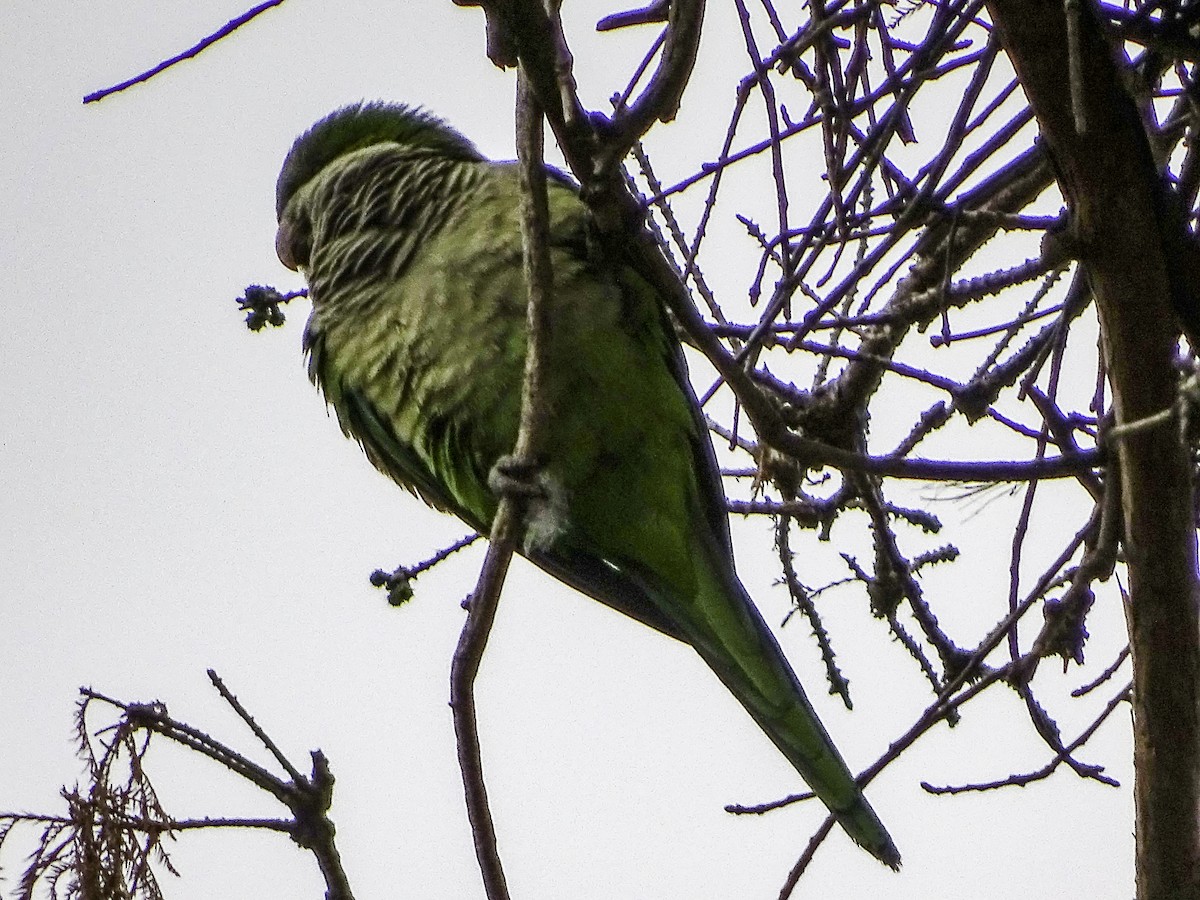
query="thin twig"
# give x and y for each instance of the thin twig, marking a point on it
(1063, 755)
(227, 29)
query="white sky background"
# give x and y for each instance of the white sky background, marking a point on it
(176, 498)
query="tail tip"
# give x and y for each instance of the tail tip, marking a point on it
(885, 851)
(868, 832)
(889, 856)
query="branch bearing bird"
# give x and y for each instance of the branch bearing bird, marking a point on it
(411, 244)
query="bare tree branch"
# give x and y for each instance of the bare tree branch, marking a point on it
(223, 32)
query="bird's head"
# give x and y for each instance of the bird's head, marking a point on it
(344, 131)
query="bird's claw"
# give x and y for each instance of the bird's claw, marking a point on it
(525, 478)
(516, 476)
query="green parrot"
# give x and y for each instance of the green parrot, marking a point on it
(411, 245)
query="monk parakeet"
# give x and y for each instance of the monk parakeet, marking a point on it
(411, 245)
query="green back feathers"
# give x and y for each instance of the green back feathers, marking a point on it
(363, 125)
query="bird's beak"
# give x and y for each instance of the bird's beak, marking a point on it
(283, 247)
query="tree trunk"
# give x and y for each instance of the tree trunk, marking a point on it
(1135, 256)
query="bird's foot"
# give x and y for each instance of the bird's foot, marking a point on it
(517, 476)
(545, 510)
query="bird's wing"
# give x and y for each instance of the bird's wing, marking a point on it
(591, 575)
(398, 460)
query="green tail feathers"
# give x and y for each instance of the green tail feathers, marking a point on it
(730, 635)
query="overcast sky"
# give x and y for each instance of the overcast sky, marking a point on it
(176, 498)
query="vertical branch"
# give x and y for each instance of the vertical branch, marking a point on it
(535, 227)
(506, 528)
(1075, 64)
(481, 612)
